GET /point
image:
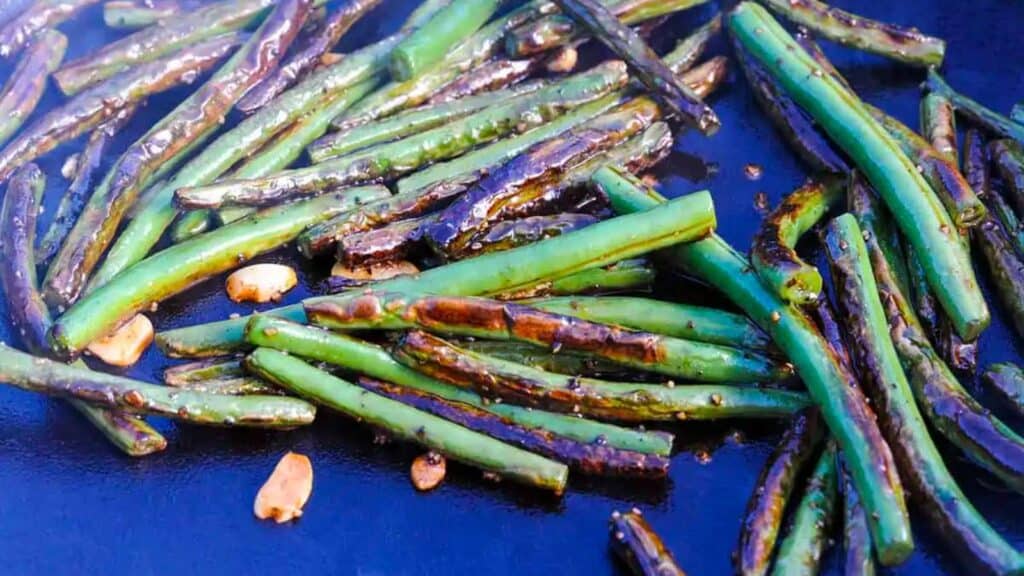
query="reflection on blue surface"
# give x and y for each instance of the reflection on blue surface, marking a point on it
(71, 505)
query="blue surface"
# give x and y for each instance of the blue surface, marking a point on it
(69, 504)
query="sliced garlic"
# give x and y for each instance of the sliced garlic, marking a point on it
(563, 61)
(428, 471)
(284, 494)
(260, 282)
(125, 345)
(69, 167)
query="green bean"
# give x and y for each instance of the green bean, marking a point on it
(975, 112)
(24, 87)
(831, 384)
(372, 360)
(669, 318)
(773, 254)
(177, 268)
(763, 518)
(409, 123)
(1008, 157)
(216, 376)
(495, 320)
(1007, 381)
(801, 551)
(134, 14)
(640, 547)
(905, 45)
(431, 43)
(938, 124)
(976, 170)
(625, 275)
(34, 26)
(496, 74)
(618, 401)
(681, 220)
(858, 560)
(920, 215)
(561, 362)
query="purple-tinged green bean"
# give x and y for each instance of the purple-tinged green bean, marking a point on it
(1007, 381)
(555, 30)
(200, 114)
(809, 536)
(135, 14)
(159, 41)
(522, 231)
(74, 198)
(681, 100)
(938, 124)
(762, 521)
(493, 75)
(24, 87)
(976, 170)
(988, 119)
(99, 104)
(640, 547)
(858, 559)
(307, 55)
(32, 24)
(1008, 157)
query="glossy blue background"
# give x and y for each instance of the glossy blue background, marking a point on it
(69, 504)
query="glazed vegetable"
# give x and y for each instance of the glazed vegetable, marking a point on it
(857, 560)
(975, 112)
(682, 220)
(942, 173)
(406, 422)
(10, 9)
(773, 254)
(905, 45)
(87, 167)
(200, 114)
(474, 51)
(801, 551)
(159, 41)
(669, 318)
(25, 85)
(217, 376)
(832, 385)
(619, 401)
(409, 123)
(891, 353)
(624, 276)
(430, 44)
(762, 521)
(102, 103)
(1007, 381)
(30, 317)
(552, 31)
(495, 320)
(1008, 157)
(527, 176)
(593, 459)
(644, 62)
(938, 125)
(32, 27)
(491, 76)
(306, 56)
(252, 133)
(959, 354)
(133, 14)
(397, 158)
(180, 266)
(640, 547)
(797, 128)
(53, 378)
(920, 215)
(375, 362)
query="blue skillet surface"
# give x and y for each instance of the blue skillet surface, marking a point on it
(70, 504)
